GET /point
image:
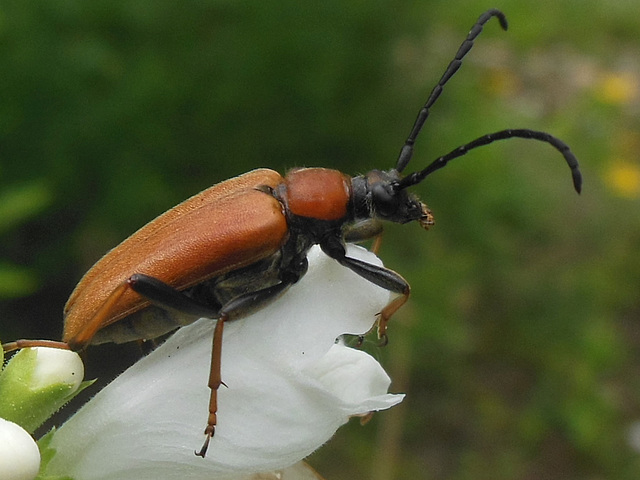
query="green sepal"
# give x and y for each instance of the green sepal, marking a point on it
(46, 454)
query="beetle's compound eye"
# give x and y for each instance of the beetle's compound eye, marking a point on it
(384, 199)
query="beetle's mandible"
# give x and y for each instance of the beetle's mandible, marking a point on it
(240, 244)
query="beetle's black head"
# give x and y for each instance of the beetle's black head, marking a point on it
(379, 195)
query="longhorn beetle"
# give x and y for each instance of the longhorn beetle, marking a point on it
(238, 245)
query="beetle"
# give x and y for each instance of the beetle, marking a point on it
(240, 244)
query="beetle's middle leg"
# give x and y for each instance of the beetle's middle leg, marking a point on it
(368, 229)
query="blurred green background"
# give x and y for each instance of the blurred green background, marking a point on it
(520, 347)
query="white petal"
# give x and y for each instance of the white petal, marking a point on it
(19, 454)
(355, 378)
(56, 366)
(280, 404)
(299, 471)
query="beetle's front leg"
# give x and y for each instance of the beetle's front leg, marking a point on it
(383, 277)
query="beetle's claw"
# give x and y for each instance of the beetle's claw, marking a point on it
(384, 340)
(209, 431)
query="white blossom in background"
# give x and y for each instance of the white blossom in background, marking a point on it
(19, 455)
(290, 386)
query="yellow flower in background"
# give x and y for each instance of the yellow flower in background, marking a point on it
(617, 88)
(623, 178)
(503, 82)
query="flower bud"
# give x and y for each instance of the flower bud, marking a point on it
(36, 383)
(19, 454)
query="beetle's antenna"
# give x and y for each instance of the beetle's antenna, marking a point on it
(440, 162)
(407, 150)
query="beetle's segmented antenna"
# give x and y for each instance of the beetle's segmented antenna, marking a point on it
(407, 150)
(440, 162)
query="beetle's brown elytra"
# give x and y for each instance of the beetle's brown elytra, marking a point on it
(238, 245)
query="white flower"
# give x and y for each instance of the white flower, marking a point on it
(290, 387)
(19, 455)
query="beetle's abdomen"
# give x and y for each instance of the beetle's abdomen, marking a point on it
(318, 193)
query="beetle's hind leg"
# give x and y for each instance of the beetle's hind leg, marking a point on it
(215, 380)
(151, 288)
(239, 306)
(19, 344)
(165, 296)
